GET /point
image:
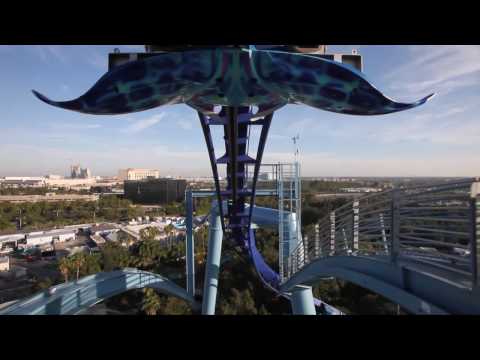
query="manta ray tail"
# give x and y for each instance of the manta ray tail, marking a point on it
(424, 100)
(69, 105)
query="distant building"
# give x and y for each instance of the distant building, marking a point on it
(54, 177)
(25, 181)
(266, 176)
(103, 229)
(137, 174)
(49, 197)
(78, 173)
(155, 191)
(49, 237)
(76, 183)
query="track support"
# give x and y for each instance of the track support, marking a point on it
(212, 269)
(302, 301)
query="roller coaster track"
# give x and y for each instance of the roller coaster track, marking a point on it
(74, 297)
(236, 221)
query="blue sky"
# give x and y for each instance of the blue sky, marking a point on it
(441, 138)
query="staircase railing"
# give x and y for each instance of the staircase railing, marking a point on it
(434, 224)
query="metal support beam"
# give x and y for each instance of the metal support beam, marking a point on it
(302, 301)
(215, 236)
(189, 245)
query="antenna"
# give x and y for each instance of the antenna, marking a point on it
(295, 147)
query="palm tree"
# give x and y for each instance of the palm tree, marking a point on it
(64, 267)
(78, 260)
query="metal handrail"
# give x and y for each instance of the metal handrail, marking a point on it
(431, 224)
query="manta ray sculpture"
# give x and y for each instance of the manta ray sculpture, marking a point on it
(230, 76)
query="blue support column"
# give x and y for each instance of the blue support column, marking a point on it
(212, 269)
(302, 301)
(189, 245)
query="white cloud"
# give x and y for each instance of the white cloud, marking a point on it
(185, 124)
(47, 52)
(278, 137)
(328, 164)
(76, 126)
(143, 124)
(440, 69)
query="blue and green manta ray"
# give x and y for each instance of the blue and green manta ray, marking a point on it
(226, 76)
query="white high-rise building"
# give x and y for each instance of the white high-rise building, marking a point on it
(137, 174)
(79, 173)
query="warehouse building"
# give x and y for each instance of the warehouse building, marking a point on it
(137, 174)
(155, 191)
(49, 237)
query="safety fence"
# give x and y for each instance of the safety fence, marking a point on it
(437, 225)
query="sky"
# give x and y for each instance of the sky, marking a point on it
(440, 138)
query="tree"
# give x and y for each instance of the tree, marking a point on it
(151, 303)
(310, 215)
(149, 233)
(149, 251)
(64, 265)
(174, 306)
(115, 256)
(78, 260)
(169, 230)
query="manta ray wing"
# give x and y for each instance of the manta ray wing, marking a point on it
(167, 78)
(322, 83)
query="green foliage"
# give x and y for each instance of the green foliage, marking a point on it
(151, 303)
(174, 306)
(80, 263)
(46, 215)
(149, 252)
(149, 233)
(202, 206)
(42, 284)
(156, 304)
(115, 257)
(175, 209)
(309, 186)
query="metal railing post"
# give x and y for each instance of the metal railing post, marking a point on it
(305, 249)
(475, 232)
(189, 245)
(395, 230)
(384, 234)
(356, 218)
(317, 241)
(332, 233)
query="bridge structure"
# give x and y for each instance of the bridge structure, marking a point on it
(417, 247)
